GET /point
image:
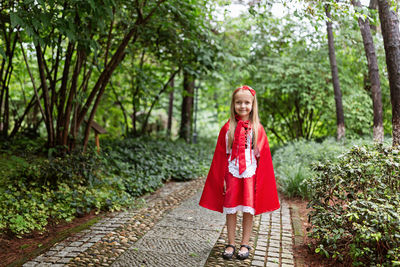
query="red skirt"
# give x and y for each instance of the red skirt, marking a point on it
(239, 194)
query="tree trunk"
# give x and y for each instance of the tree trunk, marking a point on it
(48, 118)
(373, 72)
(72, 95)
(63, 93)
(170, 108)
(187, 107)
(391, 41)
(6, 115)
(335, 79)
(10, 45)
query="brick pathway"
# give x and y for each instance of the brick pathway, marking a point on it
(271, 240)
(177, 235)
(274, 245)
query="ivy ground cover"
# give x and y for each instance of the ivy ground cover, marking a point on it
(36, 189)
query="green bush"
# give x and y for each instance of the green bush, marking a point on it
(34, 190)
(356, 207)
(293, 162)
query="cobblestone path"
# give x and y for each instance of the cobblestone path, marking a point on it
(271, 240)
(184, 237)
(172, 230)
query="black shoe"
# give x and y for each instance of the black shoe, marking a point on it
(228, 256)
(243, 256)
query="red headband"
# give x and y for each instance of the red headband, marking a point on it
(245, 87)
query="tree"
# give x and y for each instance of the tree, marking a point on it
(85, 49)
(335, 77)
(170, 108)
(6, 67)
(187, 106)
(373, 72)
(391, 38)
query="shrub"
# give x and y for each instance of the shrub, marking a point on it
(356, 207)
(293, 162)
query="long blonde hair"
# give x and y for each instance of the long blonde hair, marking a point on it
(253, 118)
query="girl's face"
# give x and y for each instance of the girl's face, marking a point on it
(243, 104)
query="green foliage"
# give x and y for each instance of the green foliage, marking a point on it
(56, 189)
(293, 162)
(34, 191)
(356, 206)
(143, 164)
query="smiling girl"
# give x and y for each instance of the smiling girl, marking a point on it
(241, 176)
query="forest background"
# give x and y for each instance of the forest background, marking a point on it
(154, 80)
(132, 78)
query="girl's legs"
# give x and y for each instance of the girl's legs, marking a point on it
(231, 225)
(247, 225)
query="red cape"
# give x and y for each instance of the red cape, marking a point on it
(266, 195)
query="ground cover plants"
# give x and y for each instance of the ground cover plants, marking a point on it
(355, 205)
(36, 189)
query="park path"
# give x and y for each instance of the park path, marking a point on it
(172, 230)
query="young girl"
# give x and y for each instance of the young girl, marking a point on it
(241, 176)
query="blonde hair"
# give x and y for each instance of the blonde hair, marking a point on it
(253, 119)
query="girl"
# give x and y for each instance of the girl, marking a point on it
(241, 176)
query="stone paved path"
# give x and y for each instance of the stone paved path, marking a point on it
(177, 232)
(184, 238)
(271, 240)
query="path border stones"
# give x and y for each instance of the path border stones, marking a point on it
(298, 233)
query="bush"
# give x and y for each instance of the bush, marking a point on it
(293, 162)
(356, 207)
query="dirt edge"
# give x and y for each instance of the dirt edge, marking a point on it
(297, 232)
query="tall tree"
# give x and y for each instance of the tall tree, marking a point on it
(187, 106)
(7, 51)
(335, 77)
(373, 72)
(391, 39)
(170, 108)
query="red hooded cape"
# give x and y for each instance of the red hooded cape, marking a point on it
(266, 195)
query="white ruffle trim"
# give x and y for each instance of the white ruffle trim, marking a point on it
(239, 208)
(249, 172)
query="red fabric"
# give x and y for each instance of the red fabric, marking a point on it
(239, 191)
(266, 195)
(239, 144)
